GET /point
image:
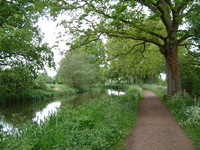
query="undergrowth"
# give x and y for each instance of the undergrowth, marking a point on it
(187, 113)
(101, 124)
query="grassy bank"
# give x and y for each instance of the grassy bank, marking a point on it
(50, 91)
(187, 114)
(101, 124)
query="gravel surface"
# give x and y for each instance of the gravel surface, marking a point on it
(156, 129)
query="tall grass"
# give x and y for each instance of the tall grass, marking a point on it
(187, 113)
(39, 94)
(102, 124)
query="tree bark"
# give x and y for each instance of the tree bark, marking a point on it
(172, 71)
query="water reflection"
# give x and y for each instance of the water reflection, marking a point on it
(114, 92)
(50, 109)
(4, 126)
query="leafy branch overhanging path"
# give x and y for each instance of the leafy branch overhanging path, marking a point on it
(156, 129)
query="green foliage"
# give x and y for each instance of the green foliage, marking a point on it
(38, 94)
(15, 80)
(135, 90)
(187, 114)
(136, 65)
(21, 47)
(194, 22)
(190, 70)
(97, 50)
(77, 71)
(42, 80)
(158, 89)
(20, 39)
(101, 124)
(160, 26)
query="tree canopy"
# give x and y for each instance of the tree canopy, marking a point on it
(148, 21)
(136, 64)
(20, 38)
(22, 53)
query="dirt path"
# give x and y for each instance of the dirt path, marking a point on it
(156, 129)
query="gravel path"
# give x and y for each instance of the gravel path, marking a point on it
(156, 129)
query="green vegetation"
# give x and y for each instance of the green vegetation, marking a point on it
(22, 53)
(161, 27)
(101, 124)
(187, 113)
(190, 71)
(77, 71)
(131, 65)
(50, 91)
(135, 91)
(140, 45)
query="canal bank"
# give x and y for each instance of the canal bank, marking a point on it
(102, 123)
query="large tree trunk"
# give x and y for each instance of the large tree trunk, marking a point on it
(172, 71)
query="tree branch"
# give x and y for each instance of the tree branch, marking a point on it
(123, 35)
(132, 48)
(127, 22)
(85, 43)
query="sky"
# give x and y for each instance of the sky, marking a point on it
(51, 31)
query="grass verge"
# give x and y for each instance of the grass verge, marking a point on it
(102, 124)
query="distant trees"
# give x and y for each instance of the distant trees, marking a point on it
(43, 79)
(77, 71)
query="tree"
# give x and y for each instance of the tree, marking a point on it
(160, 25)
(134, 64)
(97, 50)
(77, 71)
(20, 39)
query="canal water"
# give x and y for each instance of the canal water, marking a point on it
(13, 115)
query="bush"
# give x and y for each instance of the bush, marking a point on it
(135, 91)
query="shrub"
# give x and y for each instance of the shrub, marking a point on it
(135, 91)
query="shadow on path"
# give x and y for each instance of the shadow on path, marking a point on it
(156, 129)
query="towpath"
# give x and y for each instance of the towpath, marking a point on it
(156, 129)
